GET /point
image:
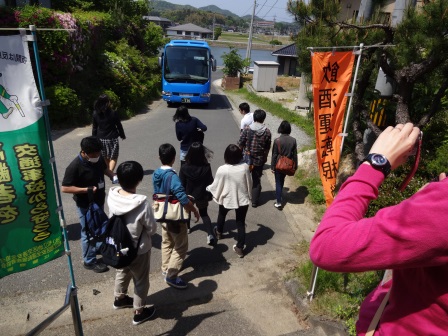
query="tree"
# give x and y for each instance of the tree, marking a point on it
(218, 32)
(417, 58)
(233, 62)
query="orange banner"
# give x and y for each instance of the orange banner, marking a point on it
(332, 72)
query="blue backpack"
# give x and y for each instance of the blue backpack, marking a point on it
(96, 222)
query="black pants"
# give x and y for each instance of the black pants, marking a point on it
(240, 214)
(257, 173)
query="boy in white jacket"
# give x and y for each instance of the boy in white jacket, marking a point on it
(139, 218)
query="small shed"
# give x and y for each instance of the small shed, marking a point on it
(287, 58)
(265, 76)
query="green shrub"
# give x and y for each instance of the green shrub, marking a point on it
(65, 107)
(275, 42)
(233, 62)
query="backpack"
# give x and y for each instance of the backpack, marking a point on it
(96, 222)
(117, 248)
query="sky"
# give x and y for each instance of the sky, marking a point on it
(266, 9)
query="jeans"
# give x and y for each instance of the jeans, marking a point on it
(88, 252)
(240, 215)
(257, 173)
(279, 183)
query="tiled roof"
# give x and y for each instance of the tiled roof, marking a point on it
(156, 18)
(190, 27)
(289, 50)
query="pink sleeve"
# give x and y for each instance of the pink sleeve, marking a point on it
(410, 234)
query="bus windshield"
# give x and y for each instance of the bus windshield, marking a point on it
(186, 65)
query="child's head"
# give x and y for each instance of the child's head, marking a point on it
(196, 154)
(102, 103)
(130, 174)
(284, 128)
(91, 145)
(259, 116)
(167, 154)
(244, 108)
(182, 114)
(233, 155)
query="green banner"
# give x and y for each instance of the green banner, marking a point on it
(30, 234)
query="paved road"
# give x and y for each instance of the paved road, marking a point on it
(227, 295)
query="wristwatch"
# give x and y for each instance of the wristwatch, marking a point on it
(379, 162)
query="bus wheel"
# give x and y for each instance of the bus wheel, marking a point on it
(169, 104)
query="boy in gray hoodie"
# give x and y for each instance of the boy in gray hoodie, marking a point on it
(139, 218)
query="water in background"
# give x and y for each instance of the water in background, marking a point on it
(255, 55)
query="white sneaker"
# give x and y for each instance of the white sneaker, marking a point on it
(210, 240)
(278, 205)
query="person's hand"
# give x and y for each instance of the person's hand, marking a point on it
(442, 176)
(196, 215)
(396, 143)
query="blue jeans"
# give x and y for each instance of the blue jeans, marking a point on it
(90, 256)
(279, 183)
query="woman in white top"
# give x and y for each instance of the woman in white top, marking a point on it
(231, 189)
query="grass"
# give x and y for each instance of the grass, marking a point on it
(337, 295)
(256, 38)
(278, 110)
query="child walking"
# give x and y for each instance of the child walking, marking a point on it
(174, 235)
(139, 218)
(196, 175)
(231, 189)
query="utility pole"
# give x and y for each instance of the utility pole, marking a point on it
(249, 44)
(213, 25)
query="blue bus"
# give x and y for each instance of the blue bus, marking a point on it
(186, 72)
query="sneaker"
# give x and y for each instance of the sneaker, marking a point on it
(96, 266)
(254, 205)
(115, 179)
(126, 302)
(278, 205)
(176, 283)
(164, 274)
(210, 240)
(218, 234)
(145, 315)
(188, 231)
(238, 251)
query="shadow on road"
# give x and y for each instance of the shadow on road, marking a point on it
(295, 196)
(258, 238)
(194, 296)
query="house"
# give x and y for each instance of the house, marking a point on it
(189, 31)
(160, 21)
(287, 60)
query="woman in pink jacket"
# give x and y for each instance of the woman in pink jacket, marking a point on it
(410, 238)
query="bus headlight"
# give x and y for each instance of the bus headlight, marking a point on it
(205, 95)
(166, 93)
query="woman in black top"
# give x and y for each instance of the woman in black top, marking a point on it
(196, 175)
(107, 127)
(288, 147)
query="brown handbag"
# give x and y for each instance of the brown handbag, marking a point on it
(284, 164)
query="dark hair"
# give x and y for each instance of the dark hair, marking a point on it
(91, 145)
(198, 154)
(233, 154)
(129, 174)
(167, 153)
(244, 107)
(182, 114)
(102, 104)
(259, 116)
(284, 128)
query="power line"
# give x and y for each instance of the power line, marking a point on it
(270, 9)
(261, 8)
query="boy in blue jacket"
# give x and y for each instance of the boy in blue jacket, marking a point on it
(174, 235)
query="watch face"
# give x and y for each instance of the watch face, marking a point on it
(379, 160)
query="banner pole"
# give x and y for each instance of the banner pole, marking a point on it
(312, 287)
(344, 134)
(77, 320)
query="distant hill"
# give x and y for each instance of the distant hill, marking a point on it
(216, 9)
(161, 6)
